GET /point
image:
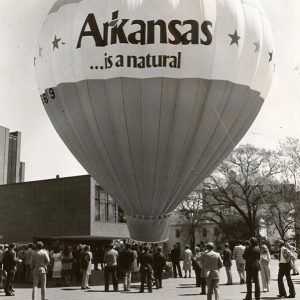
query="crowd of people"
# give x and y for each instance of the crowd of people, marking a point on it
(34, 263)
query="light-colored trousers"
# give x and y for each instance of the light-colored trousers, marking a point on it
(127, 280)
(39, 277)
(212, 286)
(265, 276)
(241, 270)
(229, 274)
(85, 279)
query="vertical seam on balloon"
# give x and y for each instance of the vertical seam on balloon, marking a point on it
(158, 140)
(129, 146)
(181, 158)
(172, 132)
(203, 106)
(115, 133)
(102, 140)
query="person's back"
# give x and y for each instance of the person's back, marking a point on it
(28, 254)
(9, 260)
(252, 257)
(175, 254)
(40, 259)
(126, 259)
(39, 262)
(110, 257)
(159, 261)
(238, 253)
(211, 263)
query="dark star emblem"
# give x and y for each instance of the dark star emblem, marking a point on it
(40, 51)
(55, 43)
(271, 56)
(234, 38)
(257, 46)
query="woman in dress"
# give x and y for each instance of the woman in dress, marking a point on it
(57, 265)
(135, 263)
(67, 265)
(265, 268)
(89, 270)
(187, 261)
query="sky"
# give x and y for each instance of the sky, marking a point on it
(43, 151)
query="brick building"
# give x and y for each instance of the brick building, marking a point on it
(70, 208)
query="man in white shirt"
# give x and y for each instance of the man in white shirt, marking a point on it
(238, 253)
(285, 257)
(39, 262)
(110, 260)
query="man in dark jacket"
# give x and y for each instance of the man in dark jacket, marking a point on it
(252, 257)
(146, 262)
(126, 258)
(227, 263)
(159, 263)
(10, 262)
(175, 259)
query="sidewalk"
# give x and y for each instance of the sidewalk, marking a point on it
(179, 288)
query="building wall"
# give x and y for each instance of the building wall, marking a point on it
(105, 222)
(206, 232)
(4, 143)
(56, 207)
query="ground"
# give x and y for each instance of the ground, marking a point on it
(172, 289)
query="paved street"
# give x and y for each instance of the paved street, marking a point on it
(172, 289)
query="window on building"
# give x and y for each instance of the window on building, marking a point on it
(97, 203)
(204, 232)
(177, 233)
(216, 231)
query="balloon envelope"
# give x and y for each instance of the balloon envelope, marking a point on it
(150, 96)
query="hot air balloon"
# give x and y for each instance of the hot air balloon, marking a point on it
(150, 96)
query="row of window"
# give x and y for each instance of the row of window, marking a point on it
(106, 208)
(204, 232)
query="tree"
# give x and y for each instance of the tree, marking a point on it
(279, 211)
(237, 186)
(190, 215)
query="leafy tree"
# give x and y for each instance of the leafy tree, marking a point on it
(237, 185)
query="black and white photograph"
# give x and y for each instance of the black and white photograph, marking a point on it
(150, 148)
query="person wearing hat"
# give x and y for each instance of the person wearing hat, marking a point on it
(211, 263)
(285, 258)
(159, 263)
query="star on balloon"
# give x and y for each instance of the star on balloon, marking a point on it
(41, 51)
(271, 56)
(257, 46)
(55, 42)
(234, 38)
